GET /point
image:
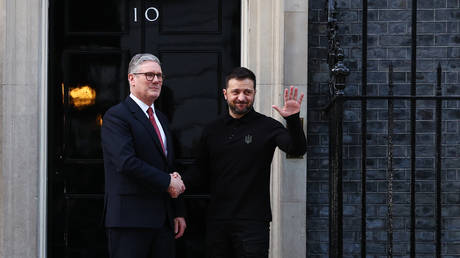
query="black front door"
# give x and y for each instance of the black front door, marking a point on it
(90, 45)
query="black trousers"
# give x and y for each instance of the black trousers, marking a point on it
(141, 242)
(237, 239)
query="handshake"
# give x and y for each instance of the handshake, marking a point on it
(176, 186)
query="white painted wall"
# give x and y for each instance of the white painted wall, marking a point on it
(275, 47)
(20, 60)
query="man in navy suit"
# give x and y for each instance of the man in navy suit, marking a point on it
(143, 213)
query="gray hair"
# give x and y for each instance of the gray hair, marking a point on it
(138, 59)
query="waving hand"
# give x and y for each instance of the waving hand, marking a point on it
(291, 104)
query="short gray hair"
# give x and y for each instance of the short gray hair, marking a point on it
(138, 59)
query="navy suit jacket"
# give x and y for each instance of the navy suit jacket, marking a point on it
(136, 169)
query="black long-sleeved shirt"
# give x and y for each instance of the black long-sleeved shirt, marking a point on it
(235, 158)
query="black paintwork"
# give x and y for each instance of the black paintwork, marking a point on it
(90, 43)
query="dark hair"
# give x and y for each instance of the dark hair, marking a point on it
(241, 73)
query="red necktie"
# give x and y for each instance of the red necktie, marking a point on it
(154, 123)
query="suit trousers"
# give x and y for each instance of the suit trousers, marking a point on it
(237, 239)
(141, 242)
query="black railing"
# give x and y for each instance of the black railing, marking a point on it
(335, 110)
(337, 74)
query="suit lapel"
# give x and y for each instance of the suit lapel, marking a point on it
(142, 118)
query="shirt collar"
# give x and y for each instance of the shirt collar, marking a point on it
(244, 119)
(141, 104)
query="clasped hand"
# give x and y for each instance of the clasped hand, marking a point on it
(176, 186)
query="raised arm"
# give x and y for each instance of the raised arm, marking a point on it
(292, 142)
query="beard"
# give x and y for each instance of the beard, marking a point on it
(240, 111)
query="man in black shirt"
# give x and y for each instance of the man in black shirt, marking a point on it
(236, 152)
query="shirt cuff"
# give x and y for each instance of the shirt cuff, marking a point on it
(293, 117)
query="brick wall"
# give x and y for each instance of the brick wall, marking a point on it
(389, 40)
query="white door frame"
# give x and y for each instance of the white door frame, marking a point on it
(43, 128)
(262, 50)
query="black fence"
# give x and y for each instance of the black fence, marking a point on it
(335, 112)
(391, 106)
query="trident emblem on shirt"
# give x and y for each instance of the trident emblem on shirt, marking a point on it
(248, 139)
